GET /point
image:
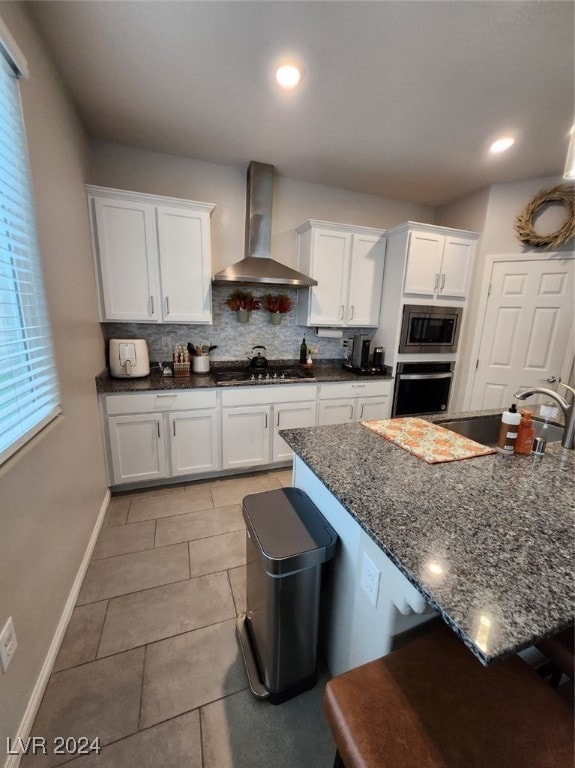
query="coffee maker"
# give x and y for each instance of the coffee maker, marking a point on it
(360, 351)
(358, 360)
(358, 357)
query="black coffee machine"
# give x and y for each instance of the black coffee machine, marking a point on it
(360, 351)
(359, 361)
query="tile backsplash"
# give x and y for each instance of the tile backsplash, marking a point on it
(234, 340)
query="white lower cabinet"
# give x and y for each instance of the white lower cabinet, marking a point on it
(194, 441)
(185, 433)
(137, 447)
(161, 435)
(253, 416)
(246, 436)
(345, 402)
(290, 416)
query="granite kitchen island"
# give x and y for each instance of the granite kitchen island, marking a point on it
(486, 542)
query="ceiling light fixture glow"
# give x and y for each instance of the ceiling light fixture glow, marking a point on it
(288, 76)
(502, 144)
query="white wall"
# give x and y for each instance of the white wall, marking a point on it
(115, 165)
(492, 212)
(52, 490)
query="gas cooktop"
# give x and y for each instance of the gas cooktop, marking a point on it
(229, 376)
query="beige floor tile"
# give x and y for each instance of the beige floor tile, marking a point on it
(242, 732)
(189, 670)
(284, 476)
(130, 573)
(173, 744)
(199, 525)
(96, 700)
(238, 582)
(117, 512)
(145, 617)
(166, 505)
(233, 491)
(82, 636)
(217, 553)
(124, 539)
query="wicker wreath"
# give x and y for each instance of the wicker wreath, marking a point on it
(524, 222)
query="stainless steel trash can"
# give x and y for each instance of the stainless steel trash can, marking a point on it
(287, 540)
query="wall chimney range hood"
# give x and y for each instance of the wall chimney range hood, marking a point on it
(258, 266)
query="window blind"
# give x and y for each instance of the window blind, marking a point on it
(29, 394)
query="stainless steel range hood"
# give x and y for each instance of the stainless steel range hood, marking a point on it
(258, 266)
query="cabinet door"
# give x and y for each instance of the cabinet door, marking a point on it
(246, 436)
(185, 265)
(290, 416)
(456, 267)
(137, 447)
(336, 412)
(127, 260)
(423, 263)
(365, 280)
(330, 267)
(194, 441)
(373, 408)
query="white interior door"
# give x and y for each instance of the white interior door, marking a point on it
(526, 331)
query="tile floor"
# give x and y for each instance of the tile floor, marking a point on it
(150, 663)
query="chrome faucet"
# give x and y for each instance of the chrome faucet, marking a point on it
(567, 408)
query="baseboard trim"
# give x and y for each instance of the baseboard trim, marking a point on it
(13, 761)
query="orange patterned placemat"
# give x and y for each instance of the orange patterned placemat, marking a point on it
(427, 441)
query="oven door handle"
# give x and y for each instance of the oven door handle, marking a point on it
(403, 376)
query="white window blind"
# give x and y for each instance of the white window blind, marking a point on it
(29, 395)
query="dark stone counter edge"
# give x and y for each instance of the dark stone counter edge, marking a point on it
(323, 372)
(485, 659)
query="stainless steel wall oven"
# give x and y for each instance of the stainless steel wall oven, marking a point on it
(427, 328)
(421, 388)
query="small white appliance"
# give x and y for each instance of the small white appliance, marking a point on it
(129, 358)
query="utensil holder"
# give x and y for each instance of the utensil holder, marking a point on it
(201, 364)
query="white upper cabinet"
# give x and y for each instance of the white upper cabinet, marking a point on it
(348, 264)
(438, 265)
(153, 257)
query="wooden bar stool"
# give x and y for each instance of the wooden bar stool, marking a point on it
(431, 704)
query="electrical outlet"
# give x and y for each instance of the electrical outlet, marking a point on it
(167, 347)
(370, 579)
(8, 644)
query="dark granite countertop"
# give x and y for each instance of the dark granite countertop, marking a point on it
(323, 371)
(488, 541)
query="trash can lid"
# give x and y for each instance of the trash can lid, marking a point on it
(290, 531)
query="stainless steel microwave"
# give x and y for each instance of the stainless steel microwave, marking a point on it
(426, 328)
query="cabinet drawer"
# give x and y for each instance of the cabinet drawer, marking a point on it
(269, 393)
(160, 401)
(338, 389)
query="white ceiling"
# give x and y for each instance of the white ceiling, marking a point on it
(399, 99)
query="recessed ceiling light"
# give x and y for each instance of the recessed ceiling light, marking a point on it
(288, 76)
(502, 144)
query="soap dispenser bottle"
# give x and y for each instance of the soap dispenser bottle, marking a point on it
(525, 433)
(508, 430)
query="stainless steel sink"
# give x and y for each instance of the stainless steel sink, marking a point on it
(485, 429)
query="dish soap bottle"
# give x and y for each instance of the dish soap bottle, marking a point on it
(508, 430)
(303, 352)
(525, 433)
